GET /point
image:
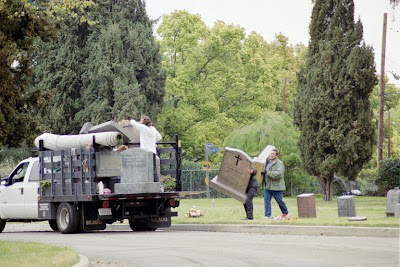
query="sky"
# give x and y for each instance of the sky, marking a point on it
(292, 18)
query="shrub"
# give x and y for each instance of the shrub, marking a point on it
(298, 181)
(168, 182)
(389, 175)
(366, 182)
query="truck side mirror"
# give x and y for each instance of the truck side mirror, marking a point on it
(5, 181)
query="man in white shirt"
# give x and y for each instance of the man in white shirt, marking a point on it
(149, 136)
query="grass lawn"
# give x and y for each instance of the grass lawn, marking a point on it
(231, 211)
(27, 254)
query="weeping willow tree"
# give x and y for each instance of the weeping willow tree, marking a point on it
(272, 128)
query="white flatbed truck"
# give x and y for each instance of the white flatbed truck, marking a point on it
(62, 187)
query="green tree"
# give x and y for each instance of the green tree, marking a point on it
(124, 76)
(332, 108)
(20, 25)
(391, 104)
(272, 128)
(107, 71)
(218, 78)
(59, 72)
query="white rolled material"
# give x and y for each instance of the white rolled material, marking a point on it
(59, 142)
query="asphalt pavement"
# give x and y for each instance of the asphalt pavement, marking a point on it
(236, 228)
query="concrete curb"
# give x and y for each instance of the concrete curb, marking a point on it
(292, 230)
(243, 228)
(278, 229)
(83, 261)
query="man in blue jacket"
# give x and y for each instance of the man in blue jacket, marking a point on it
(274, 183)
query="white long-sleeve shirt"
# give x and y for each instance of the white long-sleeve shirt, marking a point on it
(149, 136)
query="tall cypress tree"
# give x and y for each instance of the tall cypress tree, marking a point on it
(59, 68)
(332, 108)
(124, 76)
(108, 71)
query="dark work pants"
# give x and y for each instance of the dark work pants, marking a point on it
(248, 206)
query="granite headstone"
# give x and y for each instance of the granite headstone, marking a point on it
(233, 176)
(397, 210)
(306, 205)
(346, 206)
(137, 172)
(392, 198)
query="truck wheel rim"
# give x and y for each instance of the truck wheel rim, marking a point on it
(64, 218)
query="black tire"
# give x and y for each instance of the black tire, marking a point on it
(53, 225)
(2, 225)
(140, 226)
(67, 218)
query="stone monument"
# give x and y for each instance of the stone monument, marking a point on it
(346, 206)
(397, 210)
(259, 162)
(137, 172)
(392, 198)
(233, 176)
(306, 205)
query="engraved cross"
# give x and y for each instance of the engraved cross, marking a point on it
(238, 158)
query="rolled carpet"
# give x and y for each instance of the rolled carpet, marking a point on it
(59, 142)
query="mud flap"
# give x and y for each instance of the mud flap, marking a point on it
(158, 222)
(47, 211)
(90, 220)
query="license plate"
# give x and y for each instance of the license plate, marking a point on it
(160, 219)
(105, 211)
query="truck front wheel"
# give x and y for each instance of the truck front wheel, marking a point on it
(67, 218)
(2, 225)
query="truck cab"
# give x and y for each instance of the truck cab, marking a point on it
(20, 190)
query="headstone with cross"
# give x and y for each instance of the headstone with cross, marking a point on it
(233, 176)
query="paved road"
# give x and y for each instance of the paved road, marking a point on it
(181, 248)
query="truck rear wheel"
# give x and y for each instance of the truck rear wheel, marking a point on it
(140, 226)
(2, 225)
(67, 218)
(53, 225)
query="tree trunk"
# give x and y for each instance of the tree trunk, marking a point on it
(326, 185)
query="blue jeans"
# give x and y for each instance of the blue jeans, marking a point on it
(268, 194)
(155, 169)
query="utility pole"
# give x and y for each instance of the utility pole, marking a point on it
(207, 178)
(382, 91)
(389, 148)
(284, 95)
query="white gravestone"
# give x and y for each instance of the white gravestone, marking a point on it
(259, 162)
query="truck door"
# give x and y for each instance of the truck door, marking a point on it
(11, 195)
(30, 192)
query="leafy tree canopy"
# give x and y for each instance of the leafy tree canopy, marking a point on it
(218, 78)
(272, 128)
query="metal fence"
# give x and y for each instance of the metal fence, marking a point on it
(194, 180)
